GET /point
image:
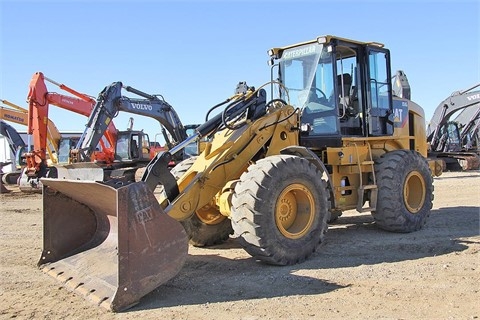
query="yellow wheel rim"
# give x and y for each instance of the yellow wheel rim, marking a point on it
(210, 215)
(414, 192)
(295, 211)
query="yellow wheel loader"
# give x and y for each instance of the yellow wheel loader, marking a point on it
(331, 137)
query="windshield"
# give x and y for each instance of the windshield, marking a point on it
(306, 71)
(308, 75)
(64, 150)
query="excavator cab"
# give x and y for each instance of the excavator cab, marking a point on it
(132, 146)
(64, 147)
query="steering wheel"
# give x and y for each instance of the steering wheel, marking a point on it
(323, 95)
(305, 96)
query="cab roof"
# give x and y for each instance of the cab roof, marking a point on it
(322, 39)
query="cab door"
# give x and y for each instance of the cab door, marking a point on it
(379, 92)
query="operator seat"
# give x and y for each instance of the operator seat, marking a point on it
(350, 123)
(134, 150)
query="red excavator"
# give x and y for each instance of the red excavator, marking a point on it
(39, 99)
(13, 113)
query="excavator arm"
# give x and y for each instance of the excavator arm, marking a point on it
(19, 115)
(444, 137)
(16, 145)
(470, 122)
(457, 101)
(110, 101)
(15, 116)
(14, 139)
(39, 99)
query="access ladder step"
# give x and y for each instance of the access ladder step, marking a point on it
(368, 187)
(373, 197)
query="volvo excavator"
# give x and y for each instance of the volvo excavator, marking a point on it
(469, 122)
(331, 137)
(445, 136)
(133, 148)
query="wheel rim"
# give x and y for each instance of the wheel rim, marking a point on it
(209, 215)
(414, 192)
(295, 211)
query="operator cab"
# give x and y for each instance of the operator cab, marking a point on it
(64, 147)
(341, 87)
(133, 146)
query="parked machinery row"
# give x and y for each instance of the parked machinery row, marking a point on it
(101, 151)
(273, 173)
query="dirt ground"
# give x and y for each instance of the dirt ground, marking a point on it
(360, 271)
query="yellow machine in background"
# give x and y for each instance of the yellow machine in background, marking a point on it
(19, 115)
(331, 137)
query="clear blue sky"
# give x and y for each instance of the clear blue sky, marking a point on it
(195, 52)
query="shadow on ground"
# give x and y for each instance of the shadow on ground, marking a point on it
(351, 241)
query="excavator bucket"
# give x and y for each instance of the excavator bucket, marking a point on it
(112, 245)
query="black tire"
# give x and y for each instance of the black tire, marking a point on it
(182, 167)
(207, 226)
(11, 178)
(334, 215)
(266, 208)
(405, 191)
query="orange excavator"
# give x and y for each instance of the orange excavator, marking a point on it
(39, 99)
(16, 114)
(55, 152)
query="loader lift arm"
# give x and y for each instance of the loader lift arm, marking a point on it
(244, 102)
(110, 101)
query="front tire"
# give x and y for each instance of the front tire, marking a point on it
(280, 209)
(405, 191)
(207, 226)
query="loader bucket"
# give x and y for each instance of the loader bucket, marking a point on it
(112, 245)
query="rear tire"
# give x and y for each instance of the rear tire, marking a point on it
(405, 191)
(207, 226)
(280, 209)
